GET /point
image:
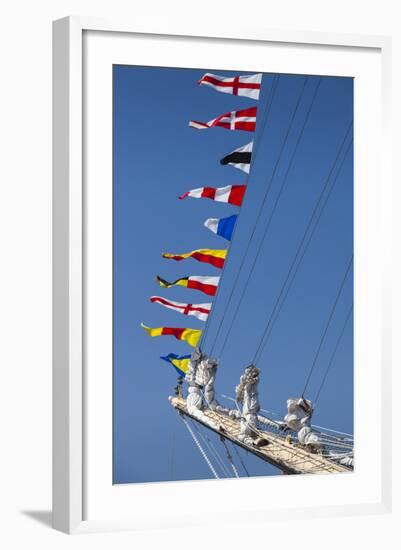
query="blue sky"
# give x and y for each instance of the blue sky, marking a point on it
(157, 157)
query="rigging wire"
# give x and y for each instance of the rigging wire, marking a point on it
(333, 431)
(212, 449)
(328, 323)
(313, 425)
(230, 458)
(201, 450)
(334, 353)
(240, 459)
(267, 110)
(310, 221)
(266, 113)
(228, 454)
(290, 273)
(282, 187)
(172, 454)
(236, 450)
(261, 208)
(239, 271)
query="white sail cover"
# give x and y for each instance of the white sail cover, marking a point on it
(298, 418)
(299, 413)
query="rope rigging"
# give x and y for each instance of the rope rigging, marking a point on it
(272, 413)
(294, 268)
(350, 263)
(240, 459)
(239, 427)
(261, 208)
(299, 147)
(283, 184)
(266, 113)
(172, 455)
(201, 450)
(229, 458)
(331, 360)
(212, 450)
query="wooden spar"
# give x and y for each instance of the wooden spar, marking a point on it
(289, 457)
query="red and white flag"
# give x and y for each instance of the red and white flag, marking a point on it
(248, 86)
(200, 311)
(232, 194)
(235, 120)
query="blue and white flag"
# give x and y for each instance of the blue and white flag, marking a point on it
(222, 226)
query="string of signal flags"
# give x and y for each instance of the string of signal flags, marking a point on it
(248, 86)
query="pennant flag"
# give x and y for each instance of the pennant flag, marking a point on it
(240, 158)
(181, 364)
(232, 194)
(205, 255)
(222, 226)
(248, 86)
(200, 311)
(205, 284)
(235, 120)
(189, 335)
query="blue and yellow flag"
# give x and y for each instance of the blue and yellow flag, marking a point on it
(180, 363)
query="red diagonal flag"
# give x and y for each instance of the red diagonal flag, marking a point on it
(248, 85)
(232, 194)
(235, 120)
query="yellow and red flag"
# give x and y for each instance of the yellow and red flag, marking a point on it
(203, 283)
(204, 255)
(189, 335)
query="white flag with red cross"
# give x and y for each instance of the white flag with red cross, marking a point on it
(235, 120)
(201, 311)
(248, 85)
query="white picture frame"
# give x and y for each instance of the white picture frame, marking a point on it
(72, 332)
